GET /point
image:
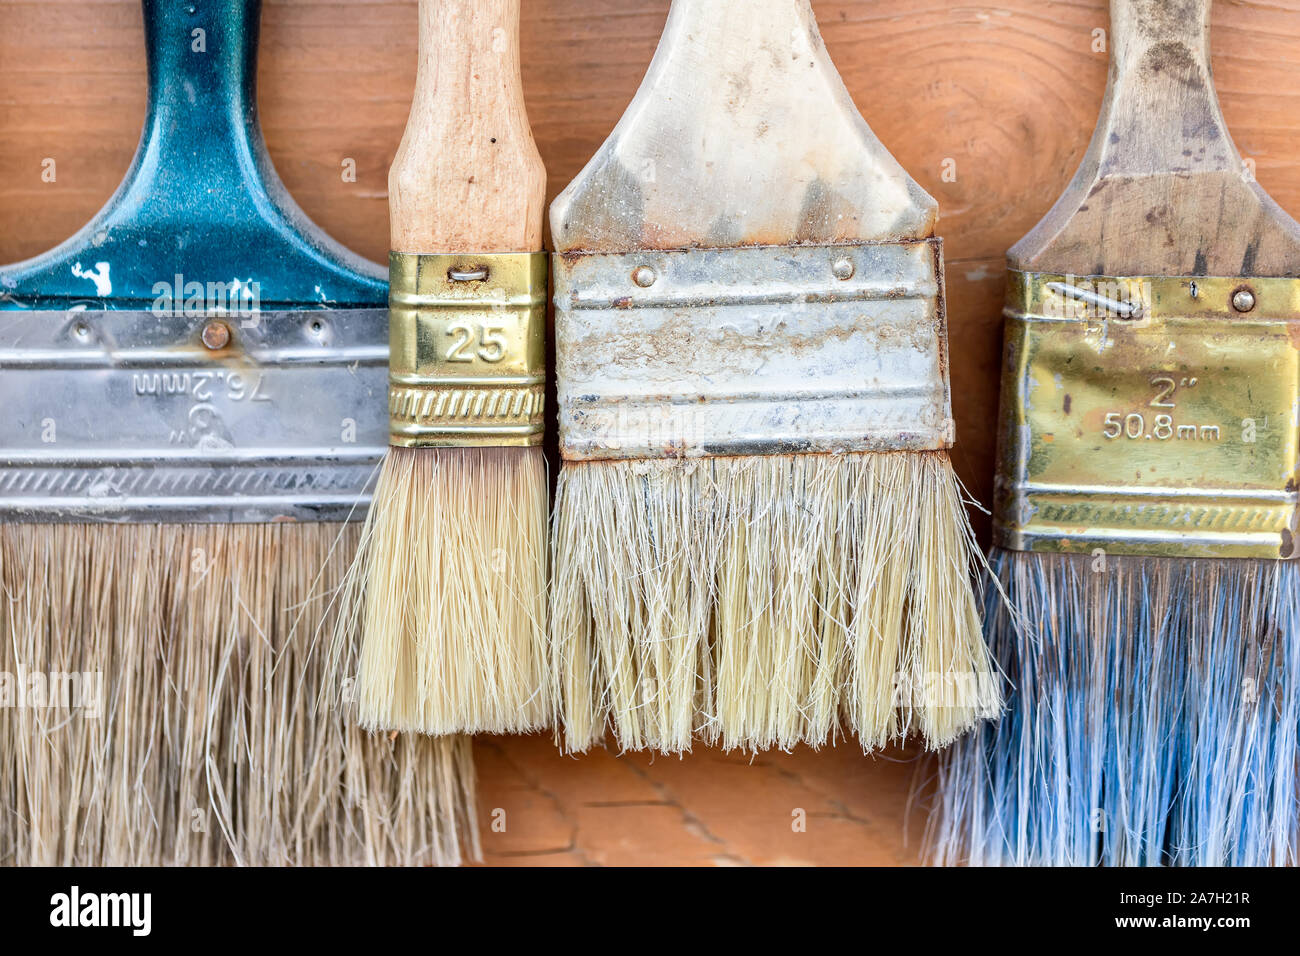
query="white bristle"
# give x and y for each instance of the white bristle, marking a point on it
(758, 602)
(448, 594)
(209, 747)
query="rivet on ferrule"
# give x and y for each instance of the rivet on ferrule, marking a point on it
(467, 350)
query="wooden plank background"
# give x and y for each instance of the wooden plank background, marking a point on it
(1001, 96)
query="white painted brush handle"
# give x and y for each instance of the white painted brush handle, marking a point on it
(467, 176)
(742, 133)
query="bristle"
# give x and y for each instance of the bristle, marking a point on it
(1153, 722)
(449, 594)
(758, 602)
(208, 748)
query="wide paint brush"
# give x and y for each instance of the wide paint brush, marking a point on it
(758, 534)
(192, 389)
(1145, 514)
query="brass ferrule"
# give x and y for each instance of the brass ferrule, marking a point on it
(1150, 416)
(467, 341)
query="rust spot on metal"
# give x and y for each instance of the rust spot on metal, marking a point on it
(1288, 544)
(216, 335)
(1066, 403)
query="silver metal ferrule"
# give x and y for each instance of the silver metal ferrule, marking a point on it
(137, 416)
(752, 351)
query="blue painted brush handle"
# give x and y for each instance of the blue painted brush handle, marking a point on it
(201, 198)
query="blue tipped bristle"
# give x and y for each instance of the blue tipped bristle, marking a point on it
(1153, 718)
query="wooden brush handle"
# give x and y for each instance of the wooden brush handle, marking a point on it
(1162, 189)
(1161, 115)
(1137, 24)
(467, 176)
(742, 133)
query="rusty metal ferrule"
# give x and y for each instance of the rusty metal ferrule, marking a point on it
(762, 350)
(467, 360)
(1150, 416)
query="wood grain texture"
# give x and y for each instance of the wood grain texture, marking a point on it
(990, 107)
(467, 176)
(1162, 189)
(742, 133)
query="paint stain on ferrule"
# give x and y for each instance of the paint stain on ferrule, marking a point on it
(751, 351)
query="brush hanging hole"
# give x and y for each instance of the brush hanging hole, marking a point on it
(317, 329)
(477, 274)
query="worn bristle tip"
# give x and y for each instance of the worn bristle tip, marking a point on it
(177, 722)
(1153, 720)
(764, 602)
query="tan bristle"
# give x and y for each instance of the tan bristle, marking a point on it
(209, 747)
(449, 594)
(758, 602)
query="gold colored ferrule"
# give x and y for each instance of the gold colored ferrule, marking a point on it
(1150, 416)
(467, 340)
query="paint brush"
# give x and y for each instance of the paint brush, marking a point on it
(758, 533)
(449, 590)
(190, 387)
(1145, 513)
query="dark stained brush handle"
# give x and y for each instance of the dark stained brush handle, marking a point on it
(1174, 22)
(1161, 113)
(1162, 189)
